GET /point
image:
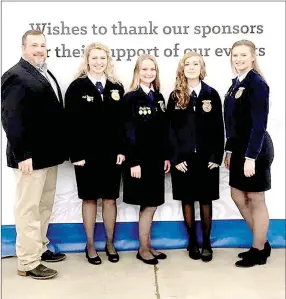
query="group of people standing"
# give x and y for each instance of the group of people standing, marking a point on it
(106, 132)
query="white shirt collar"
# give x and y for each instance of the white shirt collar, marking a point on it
(240, 78)
(94, 80)
(197, 89)
(146, 89)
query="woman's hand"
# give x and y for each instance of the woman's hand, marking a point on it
(249, 168)
(212, 165)
(227, 160)
(182, 166)
(136, 172)
(120, 159)
(79, 163)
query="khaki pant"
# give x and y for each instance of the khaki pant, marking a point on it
(35, 196)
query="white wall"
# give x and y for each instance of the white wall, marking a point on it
(270, 17)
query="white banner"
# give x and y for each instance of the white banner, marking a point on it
(165, 30)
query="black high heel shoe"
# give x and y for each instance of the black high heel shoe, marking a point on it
(113, 258)
(92, 260)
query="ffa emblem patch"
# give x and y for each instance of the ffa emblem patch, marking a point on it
(179, 107)
(88, 98)
(144, 110)
(239, 92)
(115, 94)
(207, 106)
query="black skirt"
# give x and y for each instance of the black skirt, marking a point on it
(147, 191)
(261, 181)
(98, 179)
(199, 183)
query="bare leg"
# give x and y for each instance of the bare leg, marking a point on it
(260, 218)
(153, 251)
(109, 213)
(145, 222)
(89, 208)
(258, 254)
(242, 202)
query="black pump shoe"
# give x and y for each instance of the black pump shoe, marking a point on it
(194, 252)
(160, 256)
(207, 254)
(113, 258)
(153, 261)
(92, 260)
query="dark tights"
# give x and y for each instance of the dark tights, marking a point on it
(206, 222)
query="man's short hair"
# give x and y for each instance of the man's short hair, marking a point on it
(31, 32)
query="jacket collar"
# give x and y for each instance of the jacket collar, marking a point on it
(248, 77)
(33, 71)
(37, 75)
(206, 89)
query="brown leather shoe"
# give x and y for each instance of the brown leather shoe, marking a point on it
(49, 256)
(40, 272)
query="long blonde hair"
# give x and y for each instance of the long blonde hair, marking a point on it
(251, 46)
(136, 80)
(84, 68)
(181, 91)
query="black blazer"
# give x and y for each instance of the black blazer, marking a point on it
(146, 128)
(198, 130)
(246, 108)
(32, 117)
(95, 125)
